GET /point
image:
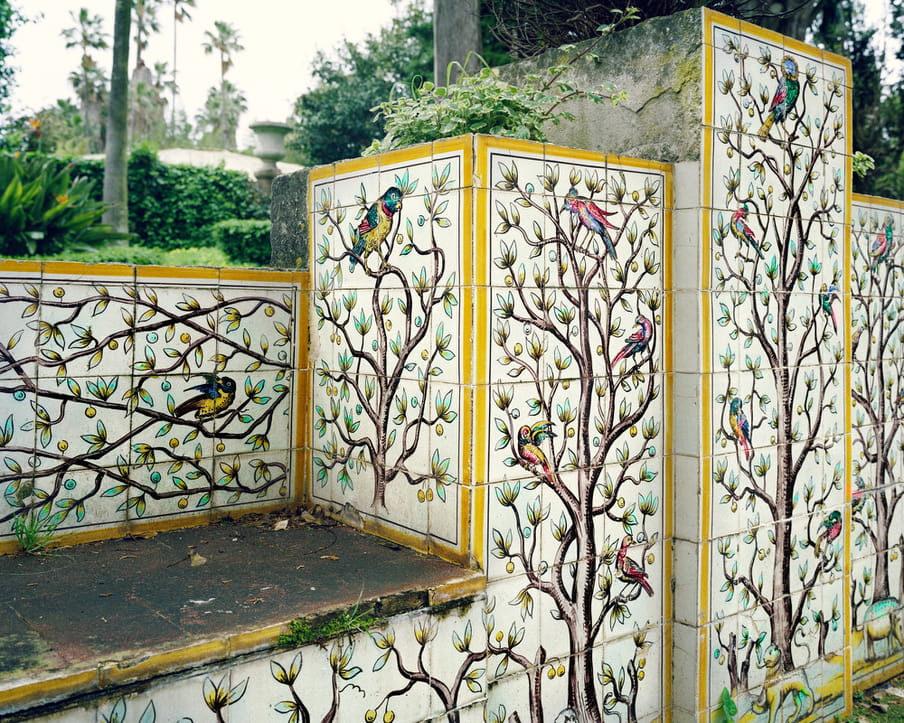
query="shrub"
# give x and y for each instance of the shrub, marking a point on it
(44, 209)
(171, 206)
(244, 241)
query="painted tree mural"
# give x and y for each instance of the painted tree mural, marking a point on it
(778, 406)
(577, 338)
(878, 331)
(386, 293)
(128, 400)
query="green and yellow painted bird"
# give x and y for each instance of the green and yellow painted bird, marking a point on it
(375, 226)
(217, 393)
(785, 96)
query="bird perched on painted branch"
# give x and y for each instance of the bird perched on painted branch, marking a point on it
(880, 248)
(830, 303)
(740, 427)
(742, 232)
(638, 341)
(628, 570)
(830, 529)
(217, 393)
(785, 96)
(376, 224)
(529, 452)
(591, 217)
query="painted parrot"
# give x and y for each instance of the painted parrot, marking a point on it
(831, 528)
(628, 570)
(740, 427)
(880, 248)
(217, 393)
(638, 341)
(785, 96)
(830, 303)
(529, 452)
(742, 232)
(376, 224)
(590, 216)
(858, 497)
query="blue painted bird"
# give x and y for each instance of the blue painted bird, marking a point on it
(742, 232)
(830, 303)
(880, 249)
(638, 341)
(530, 455)
(590, 216)
(217, 393)
(740, 427)
(376, 225)
(830, 530)
(785, 96)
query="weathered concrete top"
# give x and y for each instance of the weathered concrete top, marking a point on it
(659, 63)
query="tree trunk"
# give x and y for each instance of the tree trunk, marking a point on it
(456, 34)
(116, 191)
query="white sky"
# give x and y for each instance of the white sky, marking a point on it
(280, 39)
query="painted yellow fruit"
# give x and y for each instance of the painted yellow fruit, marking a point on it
(560, 670)
(113, 344)
(185, 338)
(499, 636)
(90, 412)
(370, 716)
(551, 673)
(174, 442)
(510, 567)
(421, 496)
(183, 503)
(269, 311)
(388, 717)
(62, 445)
(429, 495)
(220, 447)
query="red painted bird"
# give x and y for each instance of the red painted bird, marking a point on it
(628, 570)
(376, 225)
(590, 216)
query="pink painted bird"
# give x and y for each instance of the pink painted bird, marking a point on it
(590, 216)
(880, 249)
(638, 341)
(628, 570)
(742, 232)
(530, 455)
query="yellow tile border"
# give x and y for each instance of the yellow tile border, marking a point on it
(47, 688)
(15, 266)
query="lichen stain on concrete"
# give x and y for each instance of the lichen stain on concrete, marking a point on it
(21, 651)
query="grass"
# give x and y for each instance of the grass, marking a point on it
(33, 532)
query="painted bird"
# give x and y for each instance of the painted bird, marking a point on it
(638, 341)
(628, 570)
(785, 96)
(742, 232)
(217, 393)
(740, 427)
(376, 224)
(858, 497)
(880, 248)
(529, 452)
(831, 528)
(590, 216)
(830, 303)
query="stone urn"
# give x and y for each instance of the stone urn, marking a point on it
(269, 147)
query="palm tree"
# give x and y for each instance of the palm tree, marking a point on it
(225, 41)
(146, 24)
(221, 113)
(180, 14)
(87, 34)
(90, 85)
(116, 191)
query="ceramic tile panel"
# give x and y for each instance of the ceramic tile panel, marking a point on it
(778, 411)
(387, 244)
(134, 396)
(575, 246)
(877, 515)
